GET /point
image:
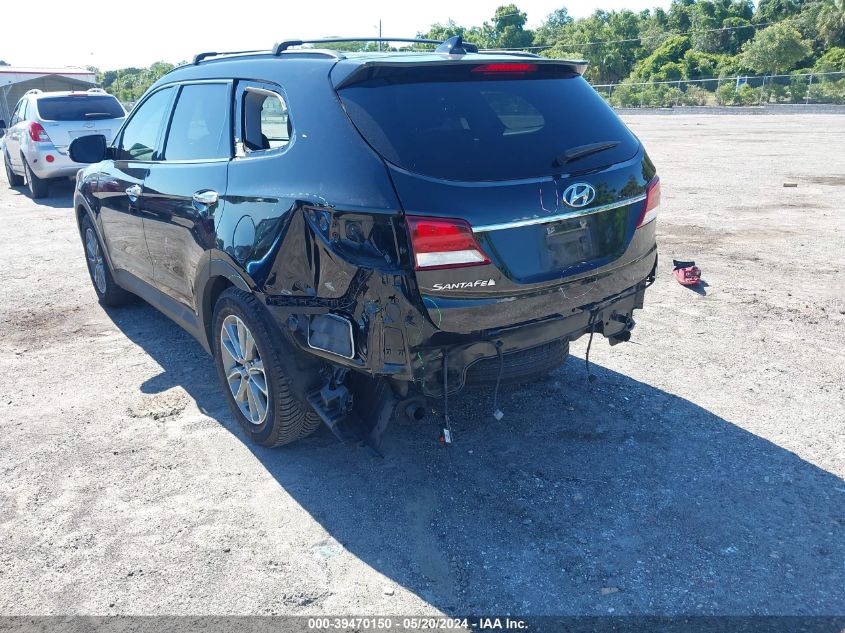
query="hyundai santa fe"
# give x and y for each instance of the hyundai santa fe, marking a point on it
(349, 234)
(43, 125)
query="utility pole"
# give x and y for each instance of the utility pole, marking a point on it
(379, 34)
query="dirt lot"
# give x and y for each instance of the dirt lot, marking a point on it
(702, 473)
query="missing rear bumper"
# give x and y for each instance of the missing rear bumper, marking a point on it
(612, 318)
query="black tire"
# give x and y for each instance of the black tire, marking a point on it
(108, 292)
(286, 418)
(12, 177)
(520, 367)
(38, 188)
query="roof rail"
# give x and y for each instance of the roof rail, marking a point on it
(98, 91)
(201, 56)
(325, 52)
(279, 48)
(33, 91)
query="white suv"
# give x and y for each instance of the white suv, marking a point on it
(43, 125)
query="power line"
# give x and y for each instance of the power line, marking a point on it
(633, 39)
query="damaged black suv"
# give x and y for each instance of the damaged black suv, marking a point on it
(350, 233)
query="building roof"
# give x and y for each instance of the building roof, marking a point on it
(31, 70)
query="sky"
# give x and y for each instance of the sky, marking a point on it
(137, 33)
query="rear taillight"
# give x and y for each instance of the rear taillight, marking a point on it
(444, 243)
(37, 133)
(652, 201)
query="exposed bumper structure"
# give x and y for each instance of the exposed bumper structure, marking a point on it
(396, 339)
(611, 317)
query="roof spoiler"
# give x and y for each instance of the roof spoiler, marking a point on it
(374, 67)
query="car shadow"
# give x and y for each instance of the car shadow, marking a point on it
(59, 194)
(615, 497)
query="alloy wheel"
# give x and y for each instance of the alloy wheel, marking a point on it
(244, 369)
(95, 260)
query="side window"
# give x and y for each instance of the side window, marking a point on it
(140, 136)
(24, 109)
(266, 122)
(16, 117)
(200, 126)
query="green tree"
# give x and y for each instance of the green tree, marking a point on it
(508, 28)
(672, 51)
(608, 40)
(743, 9)
(700, 65)
(654, 30)
(439, 31)
(831, 22)
(731, 42)
(832, 61)
(776, 49)
(705, 18)
(776, 10)
(554, 28)
(679, 15)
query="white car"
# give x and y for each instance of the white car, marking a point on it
(43, 125)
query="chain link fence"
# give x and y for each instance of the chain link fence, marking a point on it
(795, 88)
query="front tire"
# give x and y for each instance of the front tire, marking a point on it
(250, 358)
(38, 187)
(108, 292)
(12, 177)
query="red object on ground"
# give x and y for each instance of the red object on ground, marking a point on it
(687, 273)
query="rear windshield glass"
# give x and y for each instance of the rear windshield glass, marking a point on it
(479, 123)
(79, 108)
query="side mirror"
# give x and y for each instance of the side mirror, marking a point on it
(2, 128)
(88, 149)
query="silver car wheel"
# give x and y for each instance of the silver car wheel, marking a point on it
(244, 369)
(95, 260)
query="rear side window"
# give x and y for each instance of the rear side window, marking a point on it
(200, 126)
(140, 135)
(20, 112)
(266, 122)
(79, 108)
(478, 123)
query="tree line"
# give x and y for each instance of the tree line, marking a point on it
(691, 40)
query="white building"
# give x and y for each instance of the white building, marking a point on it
(15, 81)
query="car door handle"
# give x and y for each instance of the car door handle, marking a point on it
(205, 198)
(133, 192)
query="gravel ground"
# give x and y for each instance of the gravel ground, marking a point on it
(701, 474)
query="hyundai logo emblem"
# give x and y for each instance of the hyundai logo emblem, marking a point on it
(579, 195)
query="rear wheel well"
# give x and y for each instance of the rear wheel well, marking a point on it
(80, 213)
(216, 286)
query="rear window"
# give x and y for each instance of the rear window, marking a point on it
(476, 122)
(79, 108)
